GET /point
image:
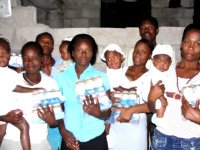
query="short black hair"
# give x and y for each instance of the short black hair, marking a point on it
(44, 34)
(5, 43)
(190, 27)
(148, 43)
(90, 39)
(67, 43)
(32, 44)
(151, 19)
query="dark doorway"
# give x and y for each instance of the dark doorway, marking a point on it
(122, 14)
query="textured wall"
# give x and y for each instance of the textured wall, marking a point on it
(22, 27)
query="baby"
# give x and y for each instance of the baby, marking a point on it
(113, 56)
(65, 55)
(163, 70)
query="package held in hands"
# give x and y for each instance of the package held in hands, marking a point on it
(93, 86)
(53, 98)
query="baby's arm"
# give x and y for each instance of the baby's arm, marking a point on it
(21, 89)
(160, 106)
(24, 134)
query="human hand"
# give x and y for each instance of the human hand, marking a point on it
(163, 101)
(14, 116)
(90, 107)
(70, 140)
(193, 114)
(47, 114)
(125, 115)
(156, 91)
(113, 98)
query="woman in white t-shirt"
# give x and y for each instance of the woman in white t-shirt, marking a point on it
(133, 133)
(32, 56)
(177, 132)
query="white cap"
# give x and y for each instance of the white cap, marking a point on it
(163, 49)
(68, 39)
(111, 47)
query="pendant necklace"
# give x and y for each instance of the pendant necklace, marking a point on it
(28, 80)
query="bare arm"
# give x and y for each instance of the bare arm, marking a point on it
(155, 93)
(22, 89)
(67, 136)
(13, 117)
(126, 113)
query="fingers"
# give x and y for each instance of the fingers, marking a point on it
(158, 83)
(43, 109)
(197, 104)
(71, 141)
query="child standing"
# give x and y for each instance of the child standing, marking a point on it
(8, 79)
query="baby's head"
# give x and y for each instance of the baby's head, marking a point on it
(162, 57)
(4, 52)
(113, 56)
(63, 49)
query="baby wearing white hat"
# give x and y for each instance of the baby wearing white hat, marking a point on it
(113, 56)
(163, 69)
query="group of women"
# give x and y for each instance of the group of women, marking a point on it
(83, 125)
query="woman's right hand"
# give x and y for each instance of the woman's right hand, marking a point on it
(14, 117)
(70, 140)
(193, 114)
(156, 91)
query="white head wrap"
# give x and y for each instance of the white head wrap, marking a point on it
(111, 47)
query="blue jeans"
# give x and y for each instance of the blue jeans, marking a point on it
(161, 141)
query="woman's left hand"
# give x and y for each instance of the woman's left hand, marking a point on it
(125, 115)
(91, 106)
(190, 113)
(47, 114)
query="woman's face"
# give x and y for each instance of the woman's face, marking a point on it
(82, 53)
(141, 54)
(31, 60)
(190, 46)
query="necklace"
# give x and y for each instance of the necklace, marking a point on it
(28, 80)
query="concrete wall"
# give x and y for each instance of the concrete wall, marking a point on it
(181, 16)
(22, 27)
(69, 13)
(87, 13)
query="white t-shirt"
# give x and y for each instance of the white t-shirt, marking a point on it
(116, 77)
(23, 101)
(8, 84)
(173, 122)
